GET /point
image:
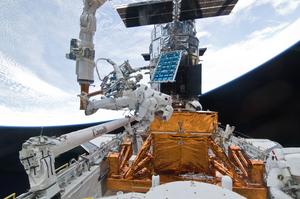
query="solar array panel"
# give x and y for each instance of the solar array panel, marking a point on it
(160, 11)
(167, 67)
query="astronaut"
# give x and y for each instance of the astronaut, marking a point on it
(145, 101)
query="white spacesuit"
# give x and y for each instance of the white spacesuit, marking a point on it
(145, 101)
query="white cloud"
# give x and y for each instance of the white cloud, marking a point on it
(229, 62)
(267, 32)
(282, 7)
(28, 32)
(201, 34)
(27, 100)
(243, 4)
(22, 76)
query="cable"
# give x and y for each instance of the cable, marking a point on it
(98, 74)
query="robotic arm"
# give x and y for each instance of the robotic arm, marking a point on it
(83, 51)
(120, 91)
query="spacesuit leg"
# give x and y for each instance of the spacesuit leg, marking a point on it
(106, 103)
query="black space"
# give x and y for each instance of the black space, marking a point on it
(264, 103)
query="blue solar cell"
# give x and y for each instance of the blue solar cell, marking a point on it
(167, 66)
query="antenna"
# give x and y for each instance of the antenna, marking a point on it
(42, 130)
(41, 140)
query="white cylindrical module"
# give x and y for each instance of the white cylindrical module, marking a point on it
(155, 180)
(85, 70)
(227, 182)
(191, 190)
(76, 138)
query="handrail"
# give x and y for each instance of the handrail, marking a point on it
(11, 196)
(64, 166)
